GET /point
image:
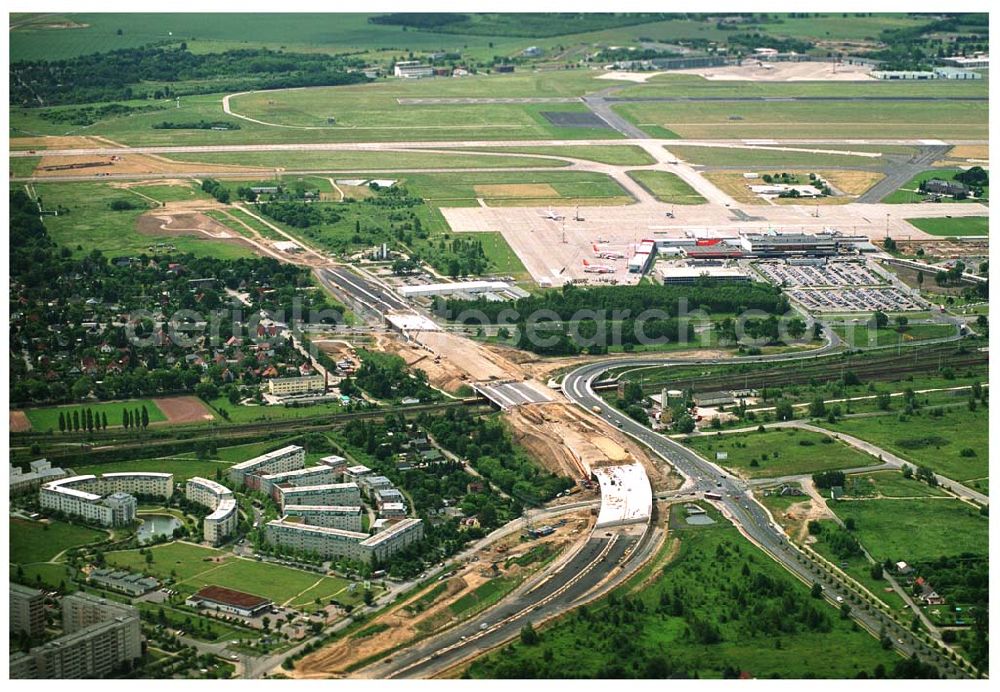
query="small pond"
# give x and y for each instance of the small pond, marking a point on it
(155, 525)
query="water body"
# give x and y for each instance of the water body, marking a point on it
(155, 525)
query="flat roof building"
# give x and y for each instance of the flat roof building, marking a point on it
(39, 471)
(343, 494)
(344, 517)
(313, 475)
(336, 543)
(690, 275)
(291, 386)
(27, 610)
(224, 519)
(229, 601)
(82, 496)
(285, 459)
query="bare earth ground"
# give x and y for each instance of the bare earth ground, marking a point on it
(462, 361)
(196, 224)
(184, 409)
(19, 421)
(332, 661)
(62, 142)
(131, 164)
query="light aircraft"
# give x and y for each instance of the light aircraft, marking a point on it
(589, 268)
(608, 254)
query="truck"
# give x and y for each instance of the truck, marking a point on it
(713, 496)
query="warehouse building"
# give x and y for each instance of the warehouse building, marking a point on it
(100, 636)
(225, 516)
(285, 459)
(225, 600)
(412, 69)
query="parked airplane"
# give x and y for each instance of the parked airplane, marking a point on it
(589, 268)
(553, 215)
(608, 254)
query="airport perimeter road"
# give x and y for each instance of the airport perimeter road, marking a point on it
(555, 593)
(738, 504)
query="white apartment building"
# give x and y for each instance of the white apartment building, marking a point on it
(285, 459)
(73, 496)
(39, 471)
(346, 518)
(224, 518)
(334, 543)
(314, 475)
(343, 494)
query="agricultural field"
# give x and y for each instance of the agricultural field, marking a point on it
(196, 567)
(970, 225)
(927, 440)
(907, 194)
(690, 611)
(749, 119)
(860, 336)
(34, 541)
(666, 187)
(47, 418)
(91, 224)
(915, 530)
(776, 453)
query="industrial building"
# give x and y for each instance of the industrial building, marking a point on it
(292, 386)
(412, 69)
(27, 610)
(673, 276)
(976, 61)
(225, 517)
(100, 637)
(640, 262)
(285, 459)
(490, 290)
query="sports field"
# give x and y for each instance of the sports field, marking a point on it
(666, 187)
(47, 418)
(196, 566)
(35, 541)
(781, 452)
(969, 225)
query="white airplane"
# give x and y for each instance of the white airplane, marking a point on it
(553, 215)
(608, 254)
(602, 240)
(589, 268)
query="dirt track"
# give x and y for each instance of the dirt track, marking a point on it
(19, 421)
(184, 409)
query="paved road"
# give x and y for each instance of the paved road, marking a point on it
(738, 503)
(901, 173)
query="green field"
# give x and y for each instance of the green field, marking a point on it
(195, 568)
(969, 225)
(888, 484)
(482, 597)
(47, 418)
(502, 257)
(370, 160)
(185, 192)
(252, 414)
(23, 167)
(33, 541)
(689, 622)
(936, 442)
(788, 451)
(727, 157)
(500, 188)
(833, 119)
(616, 155)
(91, 224)
(915, 530)
(666, 187)
(40, 574)
(679, 85)
(907, 194)
(860, 335)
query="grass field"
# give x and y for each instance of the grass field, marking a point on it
(666, 187)
(512, 189)
(252, 414)
(907, 194)
(33, 541)
(915, 530)
(91, 224)
(23, 167)
(779, 452)
(696, 593)
(971, 225)
(502, 257)
(482, 597)
(196, 566)
(861, 335)
(888, 484)
(371, 160)
(752, 159)
(679, 85)
(40, 574)
(840, 119)
(616, 155)
(936, 442)
(47, 418)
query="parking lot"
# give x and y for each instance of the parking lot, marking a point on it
(829, 274)
(886, 299)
